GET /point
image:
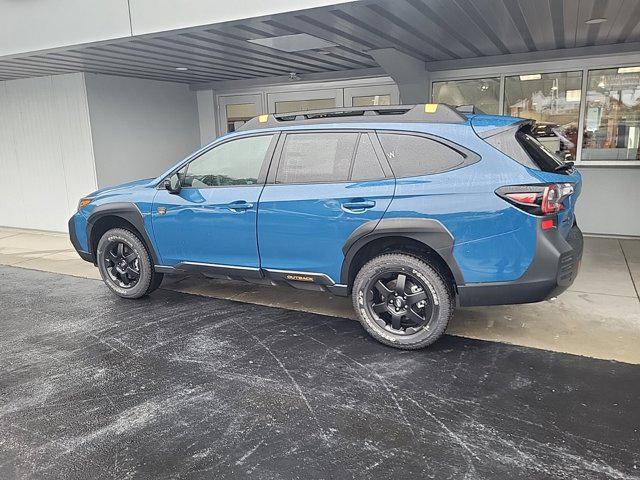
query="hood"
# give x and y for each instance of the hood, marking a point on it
(121, 188)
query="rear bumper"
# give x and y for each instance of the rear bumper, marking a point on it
(553, 270)
(73, 236)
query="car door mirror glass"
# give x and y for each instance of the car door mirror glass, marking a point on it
(173, 183)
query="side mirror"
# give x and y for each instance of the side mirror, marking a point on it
(173, 184)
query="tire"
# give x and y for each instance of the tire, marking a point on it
(393, 292)
(134, 278)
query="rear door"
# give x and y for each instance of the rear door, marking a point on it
(325, 184)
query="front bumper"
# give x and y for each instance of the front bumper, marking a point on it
(553, 270)
(73, 236)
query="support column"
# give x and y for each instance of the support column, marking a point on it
(409, 73)
(206, 116)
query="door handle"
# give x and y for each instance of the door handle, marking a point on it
(358, 205)
(240, 206)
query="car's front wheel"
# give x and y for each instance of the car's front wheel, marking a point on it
(402, 301)
(125, 264)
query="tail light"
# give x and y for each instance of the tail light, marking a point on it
(537, 199)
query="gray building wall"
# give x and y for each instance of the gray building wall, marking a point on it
(46, 156)
(139, 127)
(610, 201)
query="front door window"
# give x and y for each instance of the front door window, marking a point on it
(237, 162)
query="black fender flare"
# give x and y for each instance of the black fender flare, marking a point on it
(427, 231)
(126, 211)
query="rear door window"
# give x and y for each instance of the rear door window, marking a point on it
(414, 155)
(317, 157)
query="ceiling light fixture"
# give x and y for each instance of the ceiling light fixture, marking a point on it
(595, 21)
(294, 77)
(629, 70)
(182, 69)
(293, 43)
(534, 76)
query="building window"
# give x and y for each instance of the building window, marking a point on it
(288, 106)
(238, 114)
(612, 115)
(371, 100)
(483, 93)
(553, 101)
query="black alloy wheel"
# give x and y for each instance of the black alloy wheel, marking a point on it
(400, 302)
(122, 264)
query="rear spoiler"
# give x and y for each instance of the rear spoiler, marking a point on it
(486, 131)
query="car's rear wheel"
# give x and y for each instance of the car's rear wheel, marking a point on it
(402, 301)
(125, 264)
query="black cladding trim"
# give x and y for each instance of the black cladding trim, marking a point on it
(127, 211)
(73, 236)
(552, 270)
(215, 270)
(427, 231)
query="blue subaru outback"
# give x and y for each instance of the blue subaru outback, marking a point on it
(412, 210)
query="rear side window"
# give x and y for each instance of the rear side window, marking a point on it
(316, 157)
(413, 155)
(366, 165)
(520, 144)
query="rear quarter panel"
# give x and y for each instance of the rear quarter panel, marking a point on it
(493, 241)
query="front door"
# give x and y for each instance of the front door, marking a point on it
(212, 220)
(327, 184)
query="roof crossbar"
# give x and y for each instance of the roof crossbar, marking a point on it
(422, 113)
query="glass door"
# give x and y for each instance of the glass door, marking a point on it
(371, 96)
(304, 100)
(235, 110)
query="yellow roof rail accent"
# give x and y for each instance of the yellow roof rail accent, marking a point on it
(263, 118)
(430, 107)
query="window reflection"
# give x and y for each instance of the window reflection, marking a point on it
(483, 93)
(612, 115)
(553, 101)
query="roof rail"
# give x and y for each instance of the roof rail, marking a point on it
(422, 113)
(471, 109)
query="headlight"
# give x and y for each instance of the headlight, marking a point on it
(84, 202)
